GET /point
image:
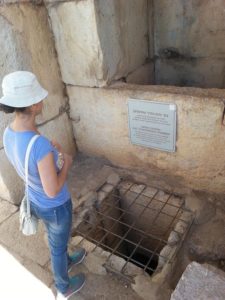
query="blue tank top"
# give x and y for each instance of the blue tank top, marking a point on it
(15, 145)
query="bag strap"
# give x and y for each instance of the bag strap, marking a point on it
(33, 139)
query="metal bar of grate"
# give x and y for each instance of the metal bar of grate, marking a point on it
(127, 240)
(131, 227)
(123, 212)
(132, 253)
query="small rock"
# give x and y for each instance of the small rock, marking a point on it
(186, 216)
(164, 256)
(95, 263)
(101, 196)
(180, 227)
(165, 252)
(173, 238)
(116, 262)
(105, 254)
(98, 251)
(125, 185)
(113, 179)
(89, 247)
(107, 188)
(132, 270)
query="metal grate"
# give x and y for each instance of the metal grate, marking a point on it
(134, 222)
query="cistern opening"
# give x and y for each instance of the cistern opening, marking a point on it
(136, 223)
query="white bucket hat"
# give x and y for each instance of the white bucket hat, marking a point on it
(21, 89)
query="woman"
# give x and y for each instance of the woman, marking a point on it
(49, 197)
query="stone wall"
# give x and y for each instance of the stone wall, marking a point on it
(26, 44)
(100, 122)
(188, 42)
(99, 41)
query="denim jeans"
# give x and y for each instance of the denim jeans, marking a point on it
(58, 222)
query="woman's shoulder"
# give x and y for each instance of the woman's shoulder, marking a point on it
(42, 147)
(43, 141)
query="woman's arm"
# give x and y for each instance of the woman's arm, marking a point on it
(51, 181)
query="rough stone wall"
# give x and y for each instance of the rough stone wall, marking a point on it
(101, 129)
(189, 42)
(26, 44)
(99, 41)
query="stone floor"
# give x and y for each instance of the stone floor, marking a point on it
(25, 271)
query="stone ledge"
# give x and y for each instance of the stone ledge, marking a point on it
(200, 282)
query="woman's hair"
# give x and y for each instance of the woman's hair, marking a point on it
(9, 109)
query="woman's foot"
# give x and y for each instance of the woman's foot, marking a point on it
(76, 258)
(76, 284)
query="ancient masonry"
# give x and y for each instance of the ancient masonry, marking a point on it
(93, 56)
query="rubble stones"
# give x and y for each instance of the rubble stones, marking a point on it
(164, 255)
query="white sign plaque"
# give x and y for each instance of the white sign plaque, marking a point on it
(152, 124)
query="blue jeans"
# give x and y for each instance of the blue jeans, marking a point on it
(58, 222)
